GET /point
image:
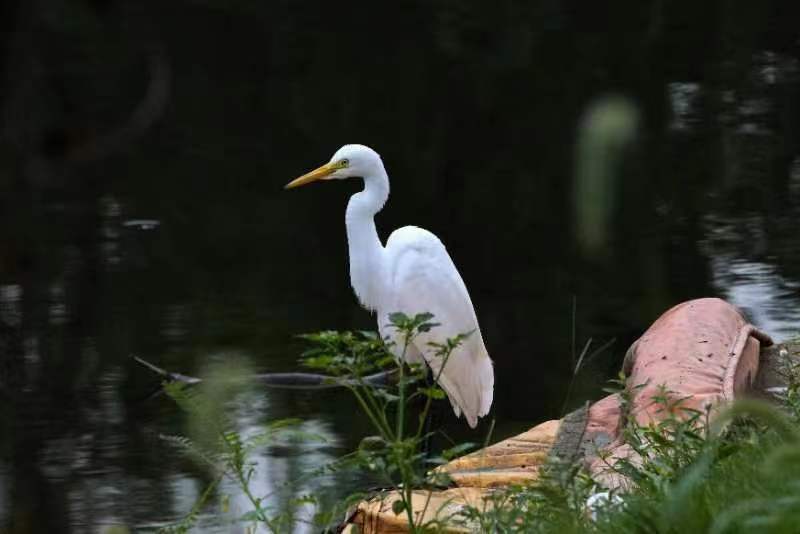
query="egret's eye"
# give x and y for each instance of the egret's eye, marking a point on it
(344, 163)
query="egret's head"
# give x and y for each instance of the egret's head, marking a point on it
(348, 162)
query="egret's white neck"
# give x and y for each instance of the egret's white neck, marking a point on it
(366, 250)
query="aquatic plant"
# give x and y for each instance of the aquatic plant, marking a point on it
(738, 471)
(396, 455)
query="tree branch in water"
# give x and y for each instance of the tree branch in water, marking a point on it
(285, 380)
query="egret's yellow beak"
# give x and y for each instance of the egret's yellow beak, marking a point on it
(321, 173)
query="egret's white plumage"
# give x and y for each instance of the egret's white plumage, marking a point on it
(412, 274)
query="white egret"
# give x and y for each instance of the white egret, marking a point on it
(412, 274)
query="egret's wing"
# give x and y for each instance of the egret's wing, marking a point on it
(424, 279)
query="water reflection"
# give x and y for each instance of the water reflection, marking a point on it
(11, 305)
(284, 470)
(770, 299)
(772, 302)
(684, 98)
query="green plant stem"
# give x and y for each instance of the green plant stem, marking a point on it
(429, 400)
(385, 431)
(409, 511)
(191, 517)
(404, 467)
(244, 484)
(402, 402)
(379, 414)
(425, 508)
(402, 387)
(255, 502)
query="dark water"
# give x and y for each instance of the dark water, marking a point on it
(144, 147)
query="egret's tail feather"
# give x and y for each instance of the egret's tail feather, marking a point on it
(469, 388)
(485, 372)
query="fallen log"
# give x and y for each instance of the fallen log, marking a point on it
(312, 381)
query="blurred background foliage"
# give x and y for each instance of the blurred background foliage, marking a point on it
(144, 146)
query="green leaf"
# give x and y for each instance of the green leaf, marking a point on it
(251, 516)
(372, 443)
(385, 395)
(368, 334)
(458, 450)
(284, 423)
(433, 392)
(423, 317)
(398, 319)
(398, 507)
(426, 327)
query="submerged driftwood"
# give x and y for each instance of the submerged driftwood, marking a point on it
(285, 380)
